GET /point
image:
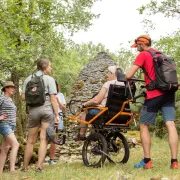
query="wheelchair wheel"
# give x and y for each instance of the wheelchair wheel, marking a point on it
(118, 148)
(75, 106)
(94, 150)
(52, 135)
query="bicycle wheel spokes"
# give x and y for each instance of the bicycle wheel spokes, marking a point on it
(118, 148)
(75, 106)
(94, 150)
(60, 139)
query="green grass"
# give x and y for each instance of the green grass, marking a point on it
(77, 170)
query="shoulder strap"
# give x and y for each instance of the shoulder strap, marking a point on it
(153, 53)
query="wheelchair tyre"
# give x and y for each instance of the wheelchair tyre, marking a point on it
(95, 147)
(52, 135)
(73, 107)
(118, 148)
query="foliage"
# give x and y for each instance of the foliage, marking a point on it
(170, 8)
(30, 29)
(170, 45)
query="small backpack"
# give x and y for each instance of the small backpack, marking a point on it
(165, 73)
(35, 91)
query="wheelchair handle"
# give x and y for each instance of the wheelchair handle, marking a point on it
(134, 79)
(122, 78)
(143, 94)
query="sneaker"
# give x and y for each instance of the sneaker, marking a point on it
(144, 165)
(174, 165)
(51, 162)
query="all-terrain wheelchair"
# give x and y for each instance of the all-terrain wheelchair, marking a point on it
(106, 139)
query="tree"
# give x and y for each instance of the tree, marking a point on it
(170, 8)
(30, 29)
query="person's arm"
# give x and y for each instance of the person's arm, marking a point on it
(132, 71)
(52, 91)
(138, 63)
(23, 96)
(24, 88)
(55, 107)
(97, 99)
(61, 106)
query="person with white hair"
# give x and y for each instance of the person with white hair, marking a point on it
(101, 98)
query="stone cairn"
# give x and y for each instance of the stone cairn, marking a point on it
(92, 77)
(89, 82)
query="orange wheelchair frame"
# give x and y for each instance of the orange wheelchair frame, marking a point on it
(107, 140)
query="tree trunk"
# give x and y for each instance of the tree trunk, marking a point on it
(21, 113)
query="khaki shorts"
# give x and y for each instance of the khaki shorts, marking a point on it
(40, 114)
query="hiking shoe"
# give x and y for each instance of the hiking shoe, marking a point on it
(144, 165)
(51, 162)
(174, 165)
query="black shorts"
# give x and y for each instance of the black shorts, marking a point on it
(165, 103)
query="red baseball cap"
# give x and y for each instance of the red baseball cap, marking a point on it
(143, 39)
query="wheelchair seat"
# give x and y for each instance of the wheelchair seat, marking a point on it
(117, 95)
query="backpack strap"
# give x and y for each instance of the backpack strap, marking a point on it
(153, 54)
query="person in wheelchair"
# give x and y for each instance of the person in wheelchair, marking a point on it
(100, 99)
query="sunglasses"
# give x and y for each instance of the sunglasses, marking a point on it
(10, 87)
(138, 40)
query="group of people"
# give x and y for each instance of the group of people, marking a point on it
(42, 116)
(155, 100)
(39, 117)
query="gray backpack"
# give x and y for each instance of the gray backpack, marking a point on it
(165, 73)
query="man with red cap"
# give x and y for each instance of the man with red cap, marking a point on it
(155, 100)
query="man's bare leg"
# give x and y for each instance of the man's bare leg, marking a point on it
(43, 144)
(172, 138)
(83, 127)
(145, 139)
(32, 137)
